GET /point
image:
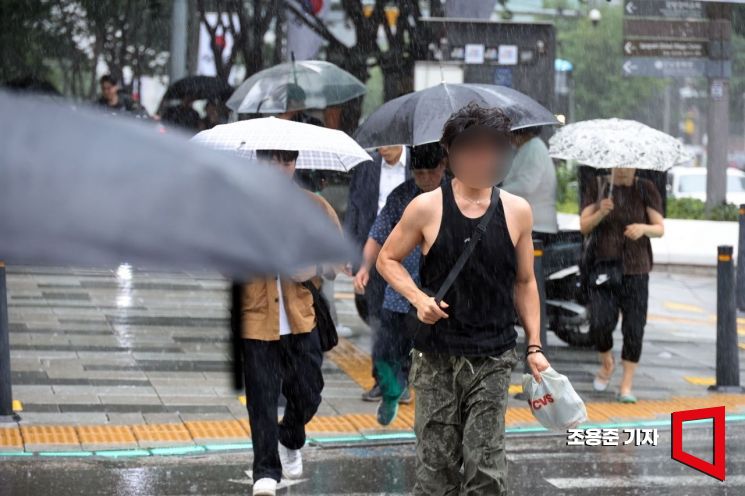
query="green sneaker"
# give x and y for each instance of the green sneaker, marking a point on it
(626, 398)
(387, 410)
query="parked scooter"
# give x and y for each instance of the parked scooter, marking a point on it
(566, 301)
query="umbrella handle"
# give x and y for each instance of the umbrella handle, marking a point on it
(236, 296)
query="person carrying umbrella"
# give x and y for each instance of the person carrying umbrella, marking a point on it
(282, 353)
(462, 364)
(391, 352)
(620, 215)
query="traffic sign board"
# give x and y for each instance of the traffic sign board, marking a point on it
(651, 47)
(675, 67)
(671, 9)
(666, 29)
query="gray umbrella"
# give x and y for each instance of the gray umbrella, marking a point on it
(294, 86)
(79, 187)
(417, 118)
(82, 188)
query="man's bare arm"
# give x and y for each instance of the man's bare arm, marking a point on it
(527, 300)
(407, 234)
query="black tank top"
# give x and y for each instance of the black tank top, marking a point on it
(482, 310)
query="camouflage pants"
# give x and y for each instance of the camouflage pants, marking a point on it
(459, 421)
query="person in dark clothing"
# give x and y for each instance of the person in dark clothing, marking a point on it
(114, 99)
(183, 116)
(461, 369)
(619, 216)
(370, 185)
(282, 353)
(391, 352)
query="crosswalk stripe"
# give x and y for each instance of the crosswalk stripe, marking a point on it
(645, 481)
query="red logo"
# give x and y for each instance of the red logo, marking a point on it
(716, 413)
(536, 404)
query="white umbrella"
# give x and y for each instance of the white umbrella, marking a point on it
(616, 143)
(318, 147)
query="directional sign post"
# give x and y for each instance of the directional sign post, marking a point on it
(669, 9)
(652, 47)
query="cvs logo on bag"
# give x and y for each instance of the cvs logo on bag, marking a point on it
(537, 403)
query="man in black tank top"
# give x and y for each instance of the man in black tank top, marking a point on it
(461, 371)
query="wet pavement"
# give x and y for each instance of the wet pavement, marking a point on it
(538, 465)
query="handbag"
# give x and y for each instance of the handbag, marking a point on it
(421, 332)
(324, 323)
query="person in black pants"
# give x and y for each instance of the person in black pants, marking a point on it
(619, 214)
(282, 353)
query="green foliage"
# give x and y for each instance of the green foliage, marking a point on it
(595, 51)
(690, 208)
(567, 194)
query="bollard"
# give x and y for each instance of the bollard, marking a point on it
(541, 283)
(6, 390)
(740, 280)
(728, 359)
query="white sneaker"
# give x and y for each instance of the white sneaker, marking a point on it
(292, 462)
(265, 487)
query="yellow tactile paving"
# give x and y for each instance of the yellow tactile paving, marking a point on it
(354, 362)
(244, 425)
(105, 434)
(10, 438)
(367, 422)
(149, 433)
(49, 434)
(683, 307)
(216, 429)
(700, 381)
(329, 424)
(17, 406)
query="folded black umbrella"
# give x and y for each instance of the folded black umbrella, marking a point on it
(417, 118)
(80, 187)
(198, 88)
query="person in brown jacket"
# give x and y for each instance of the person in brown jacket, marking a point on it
(282, 353)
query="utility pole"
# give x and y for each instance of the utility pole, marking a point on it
(179, 24)
(719, 72)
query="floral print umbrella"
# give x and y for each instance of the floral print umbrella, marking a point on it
(615, 143)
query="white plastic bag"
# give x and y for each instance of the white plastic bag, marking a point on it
(553, 401)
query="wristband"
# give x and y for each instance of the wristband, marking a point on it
(533, 351)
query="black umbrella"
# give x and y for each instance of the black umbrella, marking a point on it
(83, 188)
(417, 118)
(198, 88)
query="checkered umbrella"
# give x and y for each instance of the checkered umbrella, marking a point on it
(319, 147)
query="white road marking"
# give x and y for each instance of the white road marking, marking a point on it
(645, 481)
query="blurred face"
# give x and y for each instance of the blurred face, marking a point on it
(109, 91)
(481, 160)
(285, 167)
(624, 175)
(429, 179)
(391, 154)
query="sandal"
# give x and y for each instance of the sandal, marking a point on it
(626, 398)
(600, 384)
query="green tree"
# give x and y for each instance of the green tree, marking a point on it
(600, 90)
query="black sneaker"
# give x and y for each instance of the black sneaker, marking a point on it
(373, 395)
(405, 397)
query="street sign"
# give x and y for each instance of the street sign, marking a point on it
(670, 9)
(666, 29)
(651, 47)
(675, 67)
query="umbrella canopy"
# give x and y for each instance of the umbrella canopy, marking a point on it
(418, 118)
(611, 143)
(83, 188)
(199, 87)
(319, 147)
(294, 86)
